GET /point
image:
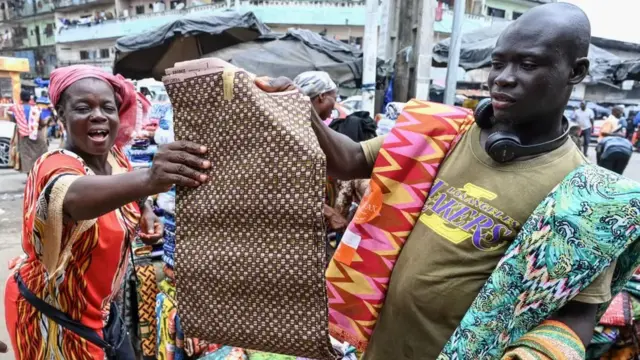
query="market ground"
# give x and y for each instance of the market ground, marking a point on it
(11, 187)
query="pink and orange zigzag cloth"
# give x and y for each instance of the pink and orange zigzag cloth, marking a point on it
(358, 274)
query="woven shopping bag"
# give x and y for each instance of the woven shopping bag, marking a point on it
(250, 244)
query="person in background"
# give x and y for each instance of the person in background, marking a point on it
(82, 207)
(322, 91)
(584, 117)
(614, 153)
(614, 150)
(31, 127)
(636, 121)
(611, 125)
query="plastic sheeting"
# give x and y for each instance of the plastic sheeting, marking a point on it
(295, 52)
(477, 46)
(149, 54)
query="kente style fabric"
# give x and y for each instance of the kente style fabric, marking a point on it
(551, 340)
(250, 241)
(77, 268)
(589, 220)
(358, 274)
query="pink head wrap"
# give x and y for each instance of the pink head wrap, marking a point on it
(124, 91)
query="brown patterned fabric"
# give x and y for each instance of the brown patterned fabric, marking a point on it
(250, 243)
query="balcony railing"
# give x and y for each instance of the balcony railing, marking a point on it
(77, 4)
(269, 11)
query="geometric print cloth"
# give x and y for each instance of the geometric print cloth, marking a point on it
(147, 291)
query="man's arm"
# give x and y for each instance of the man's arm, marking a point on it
(580, 317)
(345, 158)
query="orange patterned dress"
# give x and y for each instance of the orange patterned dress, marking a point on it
(76, 267)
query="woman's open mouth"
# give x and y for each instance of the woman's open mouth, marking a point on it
(98, 135)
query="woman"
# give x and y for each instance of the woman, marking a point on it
(322, 91)
(81, 210)
(31, 132)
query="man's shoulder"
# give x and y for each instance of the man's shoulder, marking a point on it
(574, 157)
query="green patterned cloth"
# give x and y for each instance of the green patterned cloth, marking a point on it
(590, 219)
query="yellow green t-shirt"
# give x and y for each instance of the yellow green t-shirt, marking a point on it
(475, 209)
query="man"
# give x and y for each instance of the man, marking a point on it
(445, 262)
(584, 117)
(614, 150)
(611, 125)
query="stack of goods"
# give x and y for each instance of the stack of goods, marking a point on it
(140, 153)
(146, 273)
(256, 140)
(388, 119)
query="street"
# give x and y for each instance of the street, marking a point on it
(11, 188)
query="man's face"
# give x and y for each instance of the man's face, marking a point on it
(583, 106)
(529, 76)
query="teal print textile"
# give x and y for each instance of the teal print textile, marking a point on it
(590, 219)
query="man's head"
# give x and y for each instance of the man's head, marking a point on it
(583, 105)
(617, 111)
(25, 96)
(322, 91)
(536, 62)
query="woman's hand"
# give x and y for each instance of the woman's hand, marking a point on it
(179, 163)
(151, 227)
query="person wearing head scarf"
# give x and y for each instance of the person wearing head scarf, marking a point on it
(322, 91)
(31, 132)
(83, 205)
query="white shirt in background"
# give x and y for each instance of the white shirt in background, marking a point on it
(583, 117)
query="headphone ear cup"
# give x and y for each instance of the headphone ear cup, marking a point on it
(503, 146)
(484, 113)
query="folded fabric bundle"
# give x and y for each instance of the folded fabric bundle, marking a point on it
(140, 143)
(168, 272)
(147, 291)
(141, 165)
(167, 202)
(169, 341)
(250, 242)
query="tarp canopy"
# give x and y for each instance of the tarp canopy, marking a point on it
(295, 52)
(477, 46)
(628, 70)
(149, 54)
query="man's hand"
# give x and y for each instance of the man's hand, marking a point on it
(3, 348)
(273, 85)
(151, 227)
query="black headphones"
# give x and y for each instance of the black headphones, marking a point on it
(503, 146)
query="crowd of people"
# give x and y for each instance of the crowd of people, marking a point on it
(83, 202)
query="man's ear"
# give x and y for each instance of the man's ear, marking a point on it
(580, 71)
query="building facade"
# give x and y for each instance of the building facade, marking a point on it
(54, 33)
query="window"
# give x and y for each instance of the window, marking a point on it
(139, 9)
(84, 55)
(516, 15)
(104, 53)
(499, 13)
